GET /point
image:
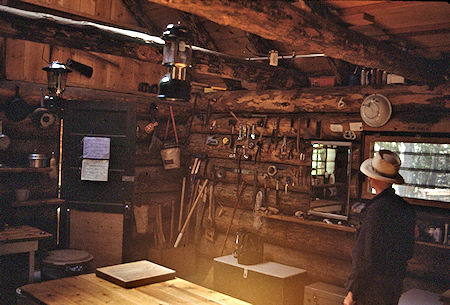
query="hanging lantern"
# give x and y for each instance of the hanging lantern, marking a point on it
(177, 53)
(57, 77)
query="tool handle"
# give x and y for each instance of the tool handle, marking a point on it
(173, 124)
(180, 235)
(183, 188)
(177, 242)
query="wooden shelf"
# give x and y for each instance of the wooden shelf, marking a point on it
(38, 202)
(24, 170)
(328, 184)
(441, 246)
(307, 222)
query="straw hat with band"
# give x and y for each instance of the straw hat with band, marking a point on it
(384, 166)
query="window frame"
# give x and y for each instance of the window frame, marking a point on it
(369, 141)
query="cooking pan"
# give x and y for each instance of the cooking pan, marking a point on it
(16, 109)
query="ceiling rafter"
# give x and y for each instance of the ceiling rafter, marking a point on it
(283, 22)
(89, 36)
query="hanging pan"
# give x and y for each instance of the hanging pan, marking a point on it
(16, 109)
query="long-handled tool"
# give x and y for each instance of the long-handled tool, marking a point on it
(183, 188)
(209, 228)
(180, 235)
(238, 200)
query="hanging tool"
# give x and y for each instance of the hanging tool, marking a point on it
(232, 123)
(210, 229)
(183, 188)
(288, 182)
(277, 189)
(235, 117)
(172, 219)
(212, 140)
(241, 188)
(253, 135)
(277, 131)
(180, 235)
(259, 142)
(240, 136)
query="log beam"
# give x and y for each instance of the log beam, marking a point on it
(282, 21)
(89, 36)
(30, 93)
(321, 99)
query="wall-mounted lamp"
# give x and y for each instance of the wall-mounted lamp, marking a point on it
(177, 53)
(57, 77)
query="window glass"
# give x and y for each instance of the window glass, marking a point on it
(425, 168)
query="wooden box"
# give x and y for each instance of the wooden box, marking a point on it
(324, 294)
(263, 284)
(181, 259)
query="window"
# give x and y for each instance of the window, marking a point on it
(425, 166)
(323, 157)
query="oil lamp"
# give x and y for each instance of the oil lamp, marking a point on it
(175, 85)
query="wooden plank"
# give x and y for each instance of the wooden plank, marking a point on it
(98, 233)
(15, 51)
(135, 274)
(22, 233)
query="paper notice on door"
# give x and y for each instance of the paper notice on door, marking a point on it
(94, 170)
(96, 147)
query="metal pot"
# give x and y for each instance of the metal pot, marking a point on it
(37, 160)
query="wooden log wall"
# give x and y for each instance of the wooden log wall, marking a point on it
(323, 250)
(21, 65)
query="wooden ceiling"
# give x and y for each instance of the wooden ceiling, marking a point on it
(410, 38)
(402, 37)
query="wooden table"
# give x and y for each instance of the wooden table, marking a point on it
(22, 239)
(92, 290)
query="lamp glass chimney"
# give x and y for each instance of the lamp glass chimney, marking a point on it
(177, 47)
(57, 77)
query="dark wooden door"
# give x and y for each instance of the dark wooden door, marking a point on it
(92, 202)
(116, 121)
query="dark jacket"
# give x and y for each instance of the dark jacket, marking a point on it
(384, 243)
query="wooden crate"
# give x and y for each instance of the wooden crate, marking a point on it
(324, 294)
(263, 284)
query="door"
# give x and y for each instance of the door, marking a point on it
(98, 209)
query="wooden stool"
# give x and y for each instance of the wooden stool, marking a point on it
(63, 263)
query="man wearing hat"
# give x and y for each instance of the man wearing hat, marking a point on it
(385, 241)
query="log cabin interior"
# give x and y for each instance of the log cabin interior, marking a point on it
(132, 145)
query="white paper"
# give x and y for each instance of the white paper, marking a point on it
(336, 128)
(96, 147)
(94, 170)
(356, 126)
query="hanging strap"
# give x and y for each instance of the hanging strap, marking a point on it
(171, 118)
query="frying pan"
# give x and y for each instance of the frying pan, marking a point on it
(16, 109)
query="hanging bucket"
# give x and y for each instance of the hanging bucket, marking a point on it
(171, 157)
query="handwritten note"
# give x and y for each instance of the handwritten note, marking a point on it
(94, 170)
(96, 147)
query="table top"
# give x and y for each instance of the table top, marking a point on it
(22, 233)
(90, 289)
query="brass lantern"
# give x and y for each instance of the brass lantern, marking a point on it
(177, 53)
(57, 73)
